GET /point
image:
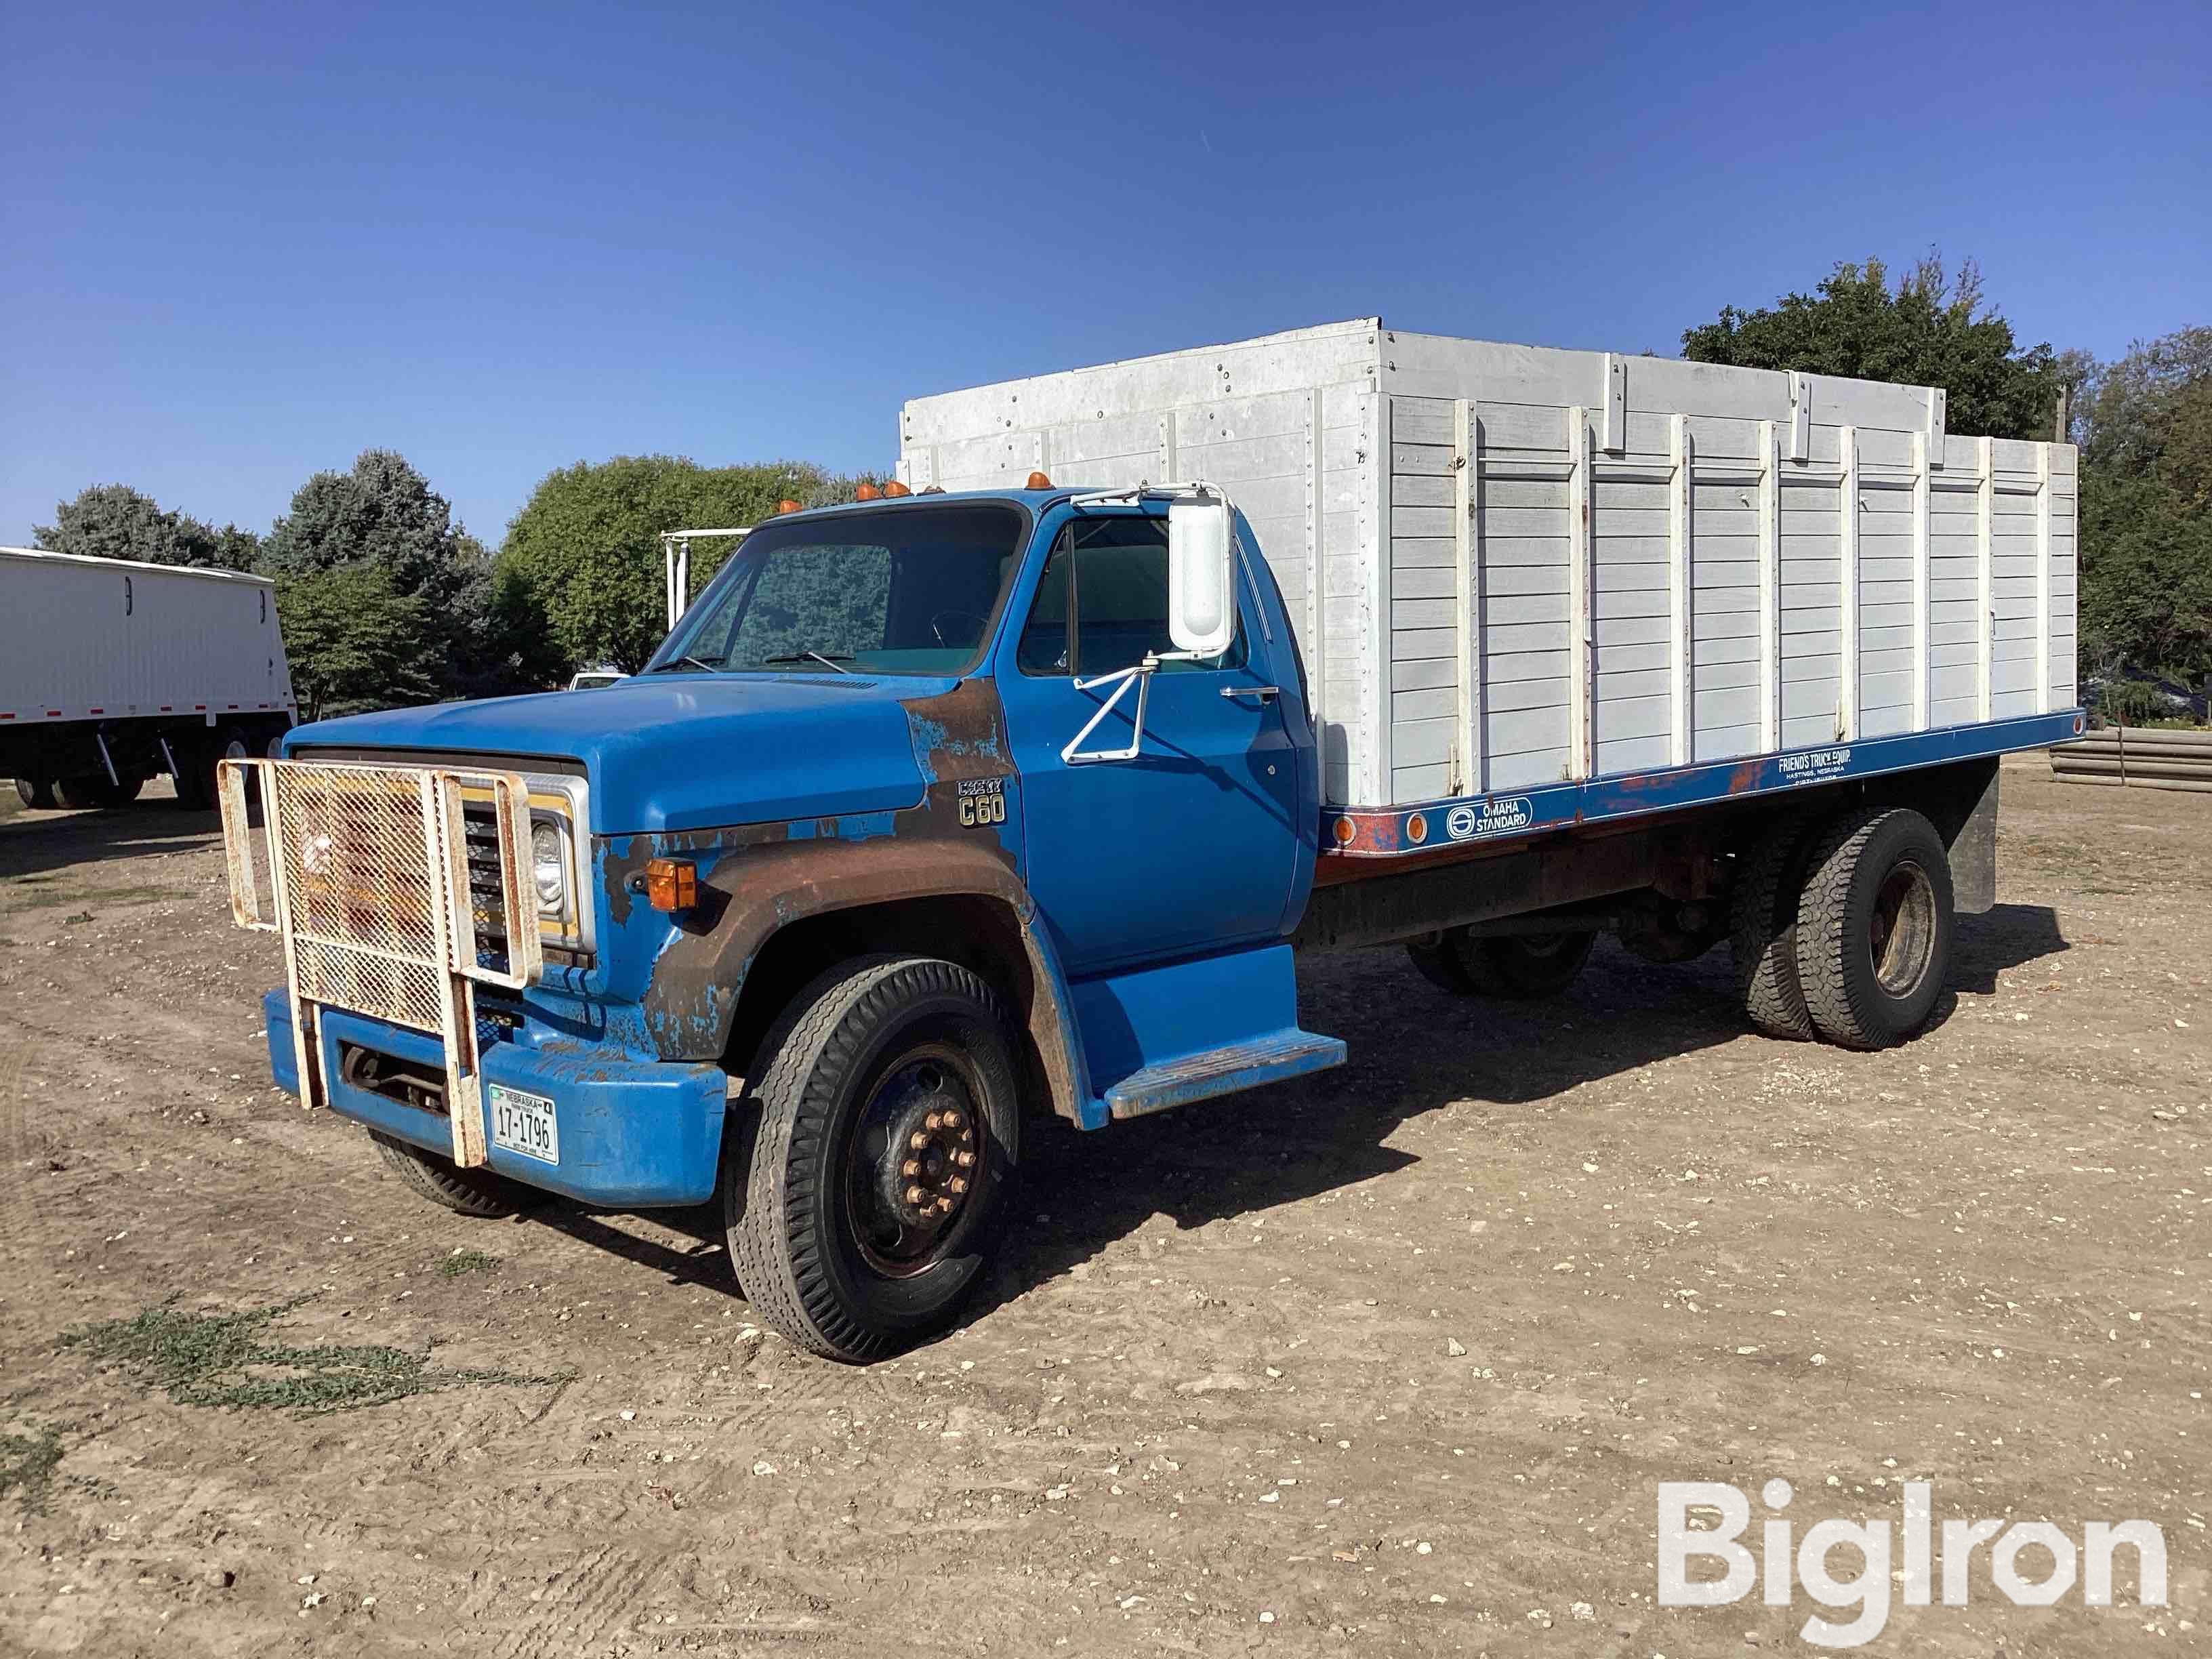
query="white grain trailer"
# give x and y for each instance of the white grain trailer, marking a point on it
(111, 671)
(1512, 566)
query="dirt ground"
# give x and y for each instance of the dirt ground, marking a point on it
(1390, 1359)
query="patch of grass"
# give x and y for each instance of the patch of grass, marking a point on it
(233, 1360)
(467, 1261)
(26, 1466)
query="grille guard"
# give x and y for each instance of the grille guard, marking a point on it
(368, 886)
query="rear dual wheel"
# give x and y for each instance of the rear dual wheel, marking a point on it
(862, 1208)
(1842, 930)
(1875, 926)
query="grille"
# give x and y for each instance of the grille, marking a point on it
(361, 891)
(487, 899)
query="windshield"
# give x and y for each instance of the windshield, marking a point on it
(905, 590)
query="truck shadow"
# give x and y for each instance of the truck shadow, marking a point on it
(36, 844)
(1415, 1050)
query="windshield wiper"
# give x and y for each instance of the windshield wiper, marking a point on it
(814, 656)
(675, 662)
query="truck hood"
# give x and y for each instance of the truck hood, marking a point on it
(684, 751)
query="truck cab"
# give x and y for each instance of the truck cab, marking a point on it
(932, 811)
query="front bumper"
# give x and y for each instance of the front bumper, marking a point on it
(634, 1133)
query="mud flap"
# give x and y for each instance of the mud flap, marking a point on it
(1974, 856)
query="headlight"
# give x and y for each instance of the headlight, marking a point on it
(548, 866)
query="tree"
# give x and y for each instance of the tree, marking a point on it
(2145, 427)
(114, 522)
(382, 510)
(584, 551)
(356, 641)
(1931, 329)
(382, 514)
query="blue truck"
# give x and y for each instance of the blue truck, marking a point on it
(946, 809)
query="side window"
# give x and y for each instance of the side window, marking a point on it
(1102, 603)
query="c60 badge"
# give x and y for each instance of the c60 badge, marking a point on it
(983, 802)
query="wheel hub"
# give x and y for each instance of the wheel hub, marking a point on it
(925, 1161)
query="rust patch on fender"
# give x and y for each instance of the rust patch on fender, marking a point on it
(757, 880)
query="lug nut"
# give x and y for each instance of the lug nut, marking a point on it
(911, 1168)
(965, 1160)
(953, 1120)
(960, 1183)
(917, 1140)
(934, 1121)
(913, 1195)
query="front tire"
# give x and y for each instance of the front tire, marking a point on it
(37, 796)
(1521, 967)
(1873, 928)
(888, 1136)
(467, 1191)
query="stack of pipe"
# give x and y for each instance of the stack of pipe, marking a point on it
(2142, 757)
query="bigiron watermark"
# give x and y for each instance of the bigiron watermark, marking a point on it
(1932, 1561)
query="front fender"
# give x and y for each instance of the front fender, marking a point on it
(750, 893)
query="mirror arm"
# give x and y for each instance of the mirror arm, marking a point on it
(1141, 673)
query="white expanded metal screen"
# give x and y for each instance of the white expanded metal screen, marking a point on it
(364, 884)
(395, 889)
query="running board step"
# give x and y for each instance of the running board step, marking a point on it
(1270, 1058)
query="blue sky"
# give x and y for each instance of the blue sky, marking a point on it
(243, 243)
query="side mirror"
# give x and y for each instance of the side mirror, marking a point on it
(1201, 575)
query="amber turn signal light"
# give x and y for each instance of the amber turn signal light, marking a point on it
(786, 505)
(1039, 480)
(865, 492)
(893, 486)
(672, 885)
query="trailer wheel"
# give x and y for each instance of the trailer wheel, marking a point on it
(94, 790)
(39, 796)
(1763, 931)
(1874, 927)
(471, 1192)
(887, 1138)
(198, 789)
(1521, 966)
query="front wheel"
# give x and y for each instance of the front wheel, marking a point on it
(38, 795)
(889, 1118)
(477, 1192)
(1520, 966)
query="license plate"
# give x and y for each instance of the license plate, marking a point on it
(524, 1123)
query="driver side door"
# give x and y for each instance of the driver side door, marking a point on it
(1189, 846)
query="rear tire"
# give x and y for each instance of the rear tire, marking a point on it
(468, 1192)
(1763, 932)
(39, 796)
(835, 1231)
(1874, 924)
(1521, 967)
(93, 790)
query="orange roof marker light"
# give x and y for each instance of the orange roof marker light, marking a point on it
(786, 505)
(1039, 480)
(867, 492)
(893, 488)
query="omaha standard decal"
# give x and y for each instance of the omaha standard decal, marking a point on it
(1491, 817)
(1812, 763)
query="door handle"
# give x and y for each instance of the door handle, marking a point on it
(1264, 693)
